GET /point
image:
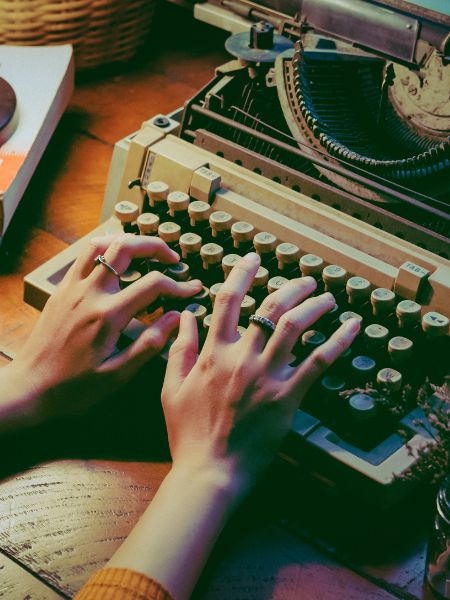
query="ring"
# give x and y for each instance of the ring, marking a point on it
(264, 322)
(101, 260)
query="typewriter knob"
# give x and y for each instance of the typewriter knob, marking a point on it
(213, 291)
(400, 349)
(334, 277)
(198, 211)
(357, 289)
(190, 243)
(382, 300)
(434, 324)
(220, 221)
(408, 313)
(157, 191)
(211, 254)
(287, 254)
(264, 242)
(126, 211)
(179, 271)
(275, 283)
(169, 232)
(177, 202)
(310, 264)
(148, 223)
(261, 35)
(228, 262)
(390, 378)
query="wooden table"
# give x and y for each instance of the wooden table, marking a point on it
(71, 492)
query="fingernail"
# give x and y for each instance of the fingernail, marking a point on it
(352, 326)
(328, 297)
(252, 258)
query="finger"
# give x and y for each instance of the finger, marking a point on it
(291, 325)
(276, 304)
(84, 264)
(151, 341)
(125, 247)
(225, 317)
(147, 289)
(323, 357)
(182, 354)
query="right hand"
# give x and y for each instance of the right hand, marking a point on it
(228, 410)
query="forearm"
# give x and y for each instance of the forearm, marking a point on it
(175, 535)
(18, 399)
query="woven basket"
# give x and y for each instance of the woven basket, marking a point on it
(101, 31)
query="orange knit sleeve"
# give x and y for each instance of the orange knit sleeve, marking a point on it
(121, 584)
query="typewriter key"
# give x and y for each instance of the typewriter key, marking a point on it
(275, 283)
(375, 336)
(180, 271)
(383, 302)
(390, 378)
(127, 213)
(362, 407)
(363, 368)
(310, 264)
(311, 339)
(358, 290)
(264, 244)
(190, 244)
(129, 277)
(248, 307)
(228, 262)
(157, 192)
(178, 202)
(288, 256)
(198, 310)
(202, 296)
(242, 234)
(170, 233)
(408, 313)
(434, 324)
(207, 322)
(220, 222)
(400, 349)
(199, 215)
(148, 223)
(259, 285)
(334, 278)
(213, 291)
(349, 314)
(211, 254)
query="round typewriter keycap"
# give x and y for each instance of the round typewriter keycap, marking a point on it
(198, 211)
(408, 313)
(129, 277)
(169, 232)
(179, 271)
(214, 290)
(148, 223)
(435, 324)
(334, 277)
(275, 283)
(333, 384)
(126, 211)
(363, 367)
(375, 335)
(220, 221)
(349, 314)
(207, 321)
(241, 231)
(202, 296)
(310, 264)
(358, 289)
(198, 310)
(177, 201)
(312, 339)
(287, 254)
(211, 254)
(264, 242)
(390, 378)
(157, 191)
(190, 243)
(241, 330)
(362, 406)
(382, 300)
(400, 349)
(228, 262)
(261, 278)
(248, 306)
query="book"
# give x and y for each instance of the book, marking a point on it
(43, 80)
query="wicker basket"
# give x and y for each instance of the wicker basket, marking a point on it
(101, 31)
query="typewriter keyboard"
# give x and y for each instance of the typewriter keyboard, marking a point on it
(398, 292)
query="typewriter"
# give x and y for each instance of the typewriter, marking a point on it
(311, 147)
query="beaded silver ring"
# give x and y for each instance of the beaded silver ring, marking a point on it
(263, 322)
(101, 260)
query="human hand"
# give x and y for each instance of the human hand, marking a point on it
(68, 362)
(228, 411)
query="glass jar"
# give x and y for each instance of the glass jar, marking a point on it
(437, 571)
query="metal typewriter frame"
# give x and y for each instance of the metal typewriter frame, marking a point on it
(154, 154)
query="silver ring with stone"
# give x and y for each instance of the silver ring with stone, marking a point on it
(101, 260)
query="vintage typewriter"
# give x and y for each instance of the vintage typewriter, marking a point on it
(313, 151)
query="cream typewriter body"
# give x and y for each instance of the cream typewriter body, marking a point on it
(213, 191)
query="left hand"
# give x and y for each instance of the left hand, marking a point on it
(68, 362)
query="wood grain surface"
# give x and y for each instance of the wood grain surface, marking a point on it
(72, 490)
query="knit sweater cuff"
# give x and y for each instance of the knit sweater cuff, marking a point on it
(121, 584)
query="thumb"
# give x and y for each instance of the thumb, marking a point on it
(152, 340)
